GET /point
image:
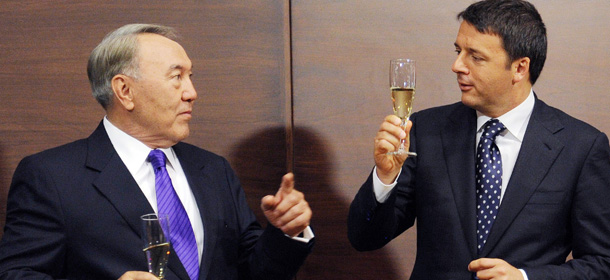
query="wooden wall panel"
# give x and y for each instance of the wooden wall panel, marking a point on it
(341, 51)
(238, 49)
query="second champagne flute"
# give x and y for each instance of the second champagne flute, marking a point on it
(402, 85)
(156, 242)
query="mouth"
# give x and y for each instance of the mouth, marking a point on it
(464, 86)
(187, 114)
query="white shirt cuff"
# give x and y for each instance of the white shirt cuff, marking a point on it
(524, 274)
(307, 235)
(381, 190)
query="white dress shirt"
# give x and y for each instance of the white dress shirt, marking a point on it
(134, 155)
(509, 141)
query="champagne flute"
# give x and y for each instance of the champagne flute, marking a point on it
(402, 85)
(156, 242)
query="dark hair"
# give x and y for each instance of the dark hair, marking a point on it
(518, 24)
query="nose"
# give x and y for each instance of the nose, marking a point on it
(189, 93)
(459, 66)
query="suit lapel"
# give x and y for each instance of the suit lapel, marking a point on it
(458, 146)
(114, 180)
(118, 186)
(203, 189)
(538, 151)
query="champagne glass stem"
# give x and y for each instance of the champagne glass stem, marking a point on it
(401, 148)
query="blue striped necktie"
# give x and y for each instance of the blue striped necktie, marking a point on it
(181, 234)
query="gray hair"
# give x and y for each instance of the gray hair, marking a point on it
(117, 54)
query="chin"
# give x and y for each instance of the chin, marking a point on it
(467, 99)
(182, 136)
(185, 134)
(470, 101)
(179, 135)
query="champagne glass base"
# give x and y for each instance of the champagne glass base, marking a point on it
(402, 152)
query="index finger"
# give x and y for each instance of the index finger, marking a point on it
(393, 119)
(392, 125)
(480, 264)
(137, 275)
(287, 184)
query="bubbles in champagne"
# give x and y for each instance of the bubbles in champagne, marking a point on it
(403, 101)
(157, 257)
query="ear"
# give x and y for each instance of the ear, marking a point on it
(122, 86)
(521, 69)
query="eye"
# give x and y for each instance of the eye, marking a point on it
(457, 51)
(177, 77)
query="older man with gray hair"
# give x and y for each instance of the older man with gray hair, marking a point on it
(74, 211)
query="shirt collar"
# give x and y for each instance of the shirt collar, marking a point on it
(131, 151)
(514, 120)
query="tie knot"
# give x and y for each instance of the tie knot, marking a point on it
(157, 158)
(492, 128)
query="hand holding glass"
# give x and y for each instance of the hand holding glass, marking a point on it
(156, 243)
(402, 85)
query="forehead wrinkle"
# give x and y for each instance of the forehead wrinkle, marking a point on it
(178, 67)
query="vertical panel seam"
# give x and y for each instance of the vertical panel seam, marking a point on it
(288, 74)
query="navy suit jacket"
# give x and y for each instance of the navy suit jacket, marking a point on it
(556, 202)
(74, 212)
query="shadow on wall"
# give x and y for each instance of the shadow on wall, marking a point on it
(260, 161)
(5, 179)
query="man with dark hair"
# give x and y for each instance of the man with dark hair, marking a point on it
(503, 186)
(74, 211)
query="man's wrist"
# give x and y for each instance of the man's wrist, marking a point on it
(382, 191)
(386, 179)
(304, 236)
(523, 274)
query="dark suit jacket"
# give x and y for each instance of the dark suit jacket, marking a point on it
(557, 200)
(74, 212)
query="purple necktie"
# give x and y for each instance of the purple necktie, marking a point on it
(181, 236)
(489, 180)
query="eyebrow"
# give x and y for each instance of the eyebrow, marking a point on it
(474, 51)
(177, 67)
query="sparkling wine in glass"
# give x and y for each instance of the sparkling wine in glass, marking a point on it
(156, 242)
(402, 85)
